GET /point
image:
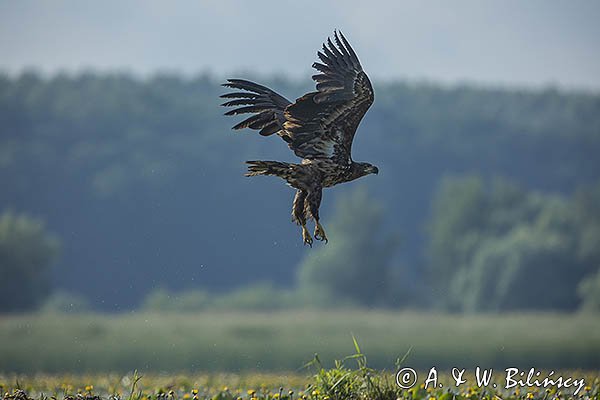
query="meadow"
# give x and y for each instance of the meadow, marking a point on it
(351, 378)
(284, 341)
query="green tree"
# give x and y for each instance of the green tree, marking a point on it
(589, 292)
(586, 204)
(458, 212)
(27, 251)
(526, 269)
(586, 208)
(355, 266)
(505, 248)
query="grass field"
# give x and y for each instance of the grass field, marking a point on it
(284, 341)
(339, 383)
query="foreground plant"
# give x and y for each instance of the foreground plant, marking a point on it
(349, 379)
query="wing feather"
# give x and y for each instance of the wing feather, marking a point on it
(328, 118)
(267, 105)
(319, 124)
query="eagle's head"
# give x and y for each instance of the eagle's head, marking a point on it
(363, 168)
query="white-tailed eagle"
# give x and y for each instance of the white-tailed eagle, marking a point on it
(319, 128)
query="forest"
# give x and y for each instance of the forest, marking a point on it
(121, 193)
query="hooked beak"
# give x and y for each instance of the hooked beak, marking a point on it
(375, 170)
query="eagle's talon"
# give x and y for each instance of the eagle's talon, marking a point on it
(320, 233)
(308, 240)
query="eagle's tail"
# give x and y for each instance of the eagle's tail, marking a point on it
(276, 168)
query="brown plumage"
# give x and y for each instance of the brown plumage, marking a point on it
(319, 128)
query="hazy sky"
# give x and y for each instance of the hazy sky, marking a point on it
(532, 42)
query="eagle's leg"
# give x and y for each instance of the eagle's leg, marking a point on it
(320, 232)
(306, 236)
(314, 202)
(299, 217)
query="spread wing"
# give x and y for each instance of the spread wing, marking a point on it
(322, 124)
(266, 105)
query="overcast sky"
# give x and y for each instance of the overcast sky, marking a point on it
(531, 42)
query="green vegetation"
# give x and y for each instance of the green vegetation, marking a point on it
(350, 378)
(276, 341)
(356, 267)
(495, 248)
(64, 302)
(26, 253)
(257, 297)
(492, 248)
(589, 290)
(504, 248)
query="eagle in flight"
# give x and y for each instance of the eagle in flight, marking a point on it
(319, 128)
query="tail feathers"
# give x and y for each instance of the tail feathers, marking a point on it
(276, 168)
(266, 105)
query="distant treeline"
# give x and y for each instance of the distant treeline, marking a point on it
(142, 183)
